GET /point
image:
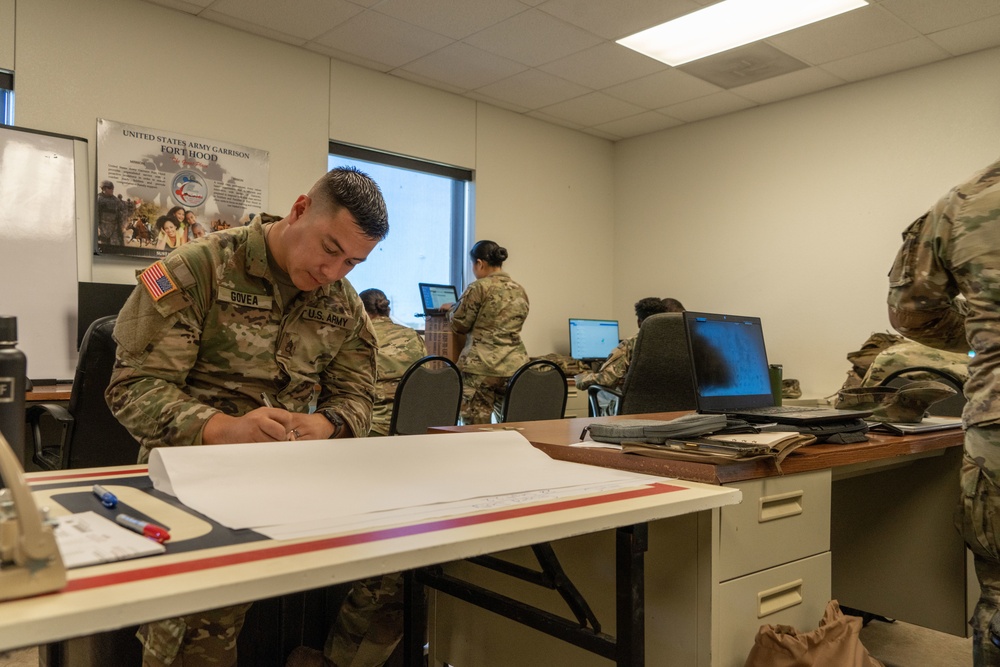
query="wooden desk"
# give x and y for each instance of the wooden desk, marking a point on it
(49, 393)
(554, 437)
(868, 524)
(247, 567)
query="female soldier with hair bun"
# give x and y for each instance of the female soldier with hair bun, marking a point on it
(398, 348)
(491, 311)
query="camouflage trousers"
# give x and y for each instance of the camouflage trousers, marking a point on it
(978, 520)
(369, 623)
(205, 639)
(481, 396)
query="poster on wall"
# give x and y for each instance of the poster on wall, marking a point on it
(157, 190)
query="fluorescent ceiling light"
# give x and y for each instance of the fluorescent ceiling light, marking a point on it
(728, 24)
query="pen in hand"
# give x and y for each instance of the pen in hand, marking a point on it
(267, 401)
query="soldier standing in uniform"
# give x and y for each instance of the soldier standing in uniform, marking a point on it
(398, 348)
(110, 216)
(251, 315)
(611, 374)
(944, 291)
(492, 311)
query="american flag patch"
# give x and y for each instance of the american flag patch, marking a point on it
(157, 281)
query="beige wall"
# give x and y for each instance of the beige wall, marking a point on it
(542, 191)
(7, 34)
(793, 211)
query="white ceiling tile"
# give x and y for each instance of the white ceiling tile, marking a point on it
(802, 82)
(306, 19)
(845, 35)
(348, 57)
(601, 134)
(661, 89)
(716, 104)
(642, 123)
(464, 66)
(592, 109)
(603, 65)
(189, 6)
(534, 89)
(426, 81)
(552, 119)
(929, 16)
(454, 18)
(382, 39)
(533, 38)
(256, 29)
(495, 102)
(893, 58)
(614, 19)
(971, 37)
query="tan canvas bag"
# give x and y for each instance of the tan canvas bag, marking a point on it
(835, 643)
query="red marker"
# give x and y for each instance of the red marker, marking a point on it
(150, 530)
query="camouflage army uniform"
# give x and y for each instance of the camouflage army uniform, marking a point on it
(954, 251)
(210, 335)
(611, 374)
(398, 348)
(909, 354)
(110, 220)
(492, 311)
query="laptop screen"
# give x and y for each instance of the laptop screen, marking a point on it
(434, 296)
(592, 339)
(729, 362)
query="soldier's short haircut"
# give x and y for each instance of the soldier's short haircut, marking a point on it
(652, 305)
(376, 302)
(351, 188)
(673, 305)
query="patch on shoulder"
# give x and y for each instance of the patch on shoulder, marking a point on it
(157, 281)
(327, 317)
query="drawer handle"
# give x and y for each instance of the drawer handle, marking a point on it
(778, 598)
(780, 506)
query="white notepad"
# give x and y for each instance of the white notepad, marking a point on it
(88, 538)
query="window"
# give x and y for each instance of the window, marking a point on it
(429, 227)
(6, 97)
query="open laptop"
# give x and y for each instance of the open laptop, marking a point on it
(730, 371)
(434, 296)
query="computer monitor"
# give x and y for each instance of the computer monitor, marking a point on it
(592, 340)
(96, 300)
(434, 296)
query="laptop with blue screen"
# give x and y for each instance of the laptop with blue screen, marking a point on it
(730, 370)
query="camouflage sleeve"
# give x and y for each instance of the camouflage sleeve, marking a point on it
(612, 371)
(347, 385)
(922, 292)
(464, 316)
(157, 346)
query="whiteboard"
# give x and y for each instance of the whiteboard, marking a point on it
(39, 212)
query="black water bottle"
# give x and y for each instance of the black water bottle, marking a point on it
(13, 367)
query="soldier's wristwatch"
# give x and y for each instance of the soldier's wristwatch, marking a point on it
(335, 419)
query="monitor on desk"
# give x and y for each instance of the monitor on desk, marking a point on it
(592, 340)
(96, 300)
(434, 296)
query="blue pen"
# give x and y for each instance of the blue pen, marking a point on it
(108, 499)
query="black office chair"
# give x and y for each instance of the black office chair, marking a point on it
(88, 434)
(536, 390)
(948, 407)
(659, 374)
(428, 394)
